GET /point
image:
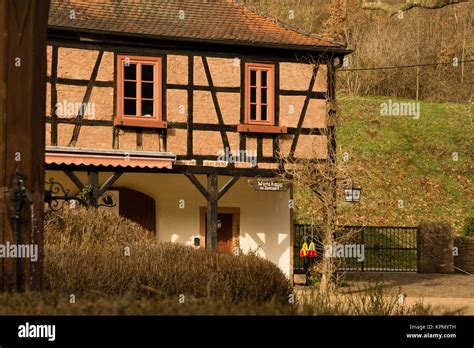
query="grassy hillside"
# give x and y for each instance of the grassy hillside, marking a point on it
(401, 158)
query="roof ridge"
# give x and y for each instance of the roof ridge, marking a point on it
(285, 25)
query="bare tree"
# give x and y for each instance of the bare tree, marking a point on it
(323, 179)
(408, 5)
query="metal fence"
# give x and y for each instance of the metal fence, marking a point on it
(360, 248)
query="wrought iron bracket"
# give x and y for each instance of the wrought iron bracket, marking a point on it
(56, 195)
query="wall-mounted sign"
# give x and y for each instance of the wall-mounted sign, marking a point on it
(259, 184)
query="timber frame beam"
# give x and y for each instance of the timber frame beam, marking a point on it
(93, 182)
(212, 195)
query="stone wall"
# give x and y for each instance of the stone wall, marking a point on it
(435, 248)
(464, 260)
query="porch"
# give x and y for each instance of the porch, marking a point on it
(247, 220)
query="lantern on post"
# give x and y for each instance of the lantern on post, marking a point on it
(352, 193)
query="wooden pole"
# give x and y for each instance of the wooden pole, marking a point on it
(23, 36)
(212, 189)
(93, 181)
(212, 195)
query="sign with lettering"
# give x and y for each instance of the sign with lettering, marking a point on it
(259, 184)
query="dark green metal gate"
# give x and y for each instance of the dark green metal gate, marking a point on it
(385, 248)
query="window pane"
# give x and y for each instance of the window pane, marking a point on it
(130, 89)
(264, 78)
(147, 90)
(130, 107)
(264, 113)
(147, 72)
(253, 95)
(253, 77)
(253, 112)
(263, 93)
(130, 72)
(147, 107)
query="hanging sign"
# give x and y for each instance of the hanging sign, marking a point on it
(311, 250)
(259, 184)
(304, 250)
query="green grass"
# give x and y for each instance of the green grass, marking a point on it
(400, 158)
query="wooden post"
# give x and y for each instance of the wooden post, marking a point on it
(212, 195)
(93, 181)
(211, 230)
(23, 35)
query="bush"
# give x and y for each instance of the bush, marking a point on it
(86, 250)
(47, 303)
(468, 228)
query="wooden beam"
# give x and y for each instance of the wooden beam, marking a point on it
(70, 174)
(211, 221)
(225, 140)
(82, 122)
(85, 100)
(79, 82)
(147, 45)
(313, 95)
(139, 139)
(4, 192)
(93, 182)
(179, 169)
(109, 182)
(303, 113)
(197, 184)
(227, 186)
(206, 88)
(23, 37)
(190, 118)
(54, 96)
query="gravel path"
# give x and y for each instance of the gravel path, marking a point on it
(444, 292)
(420, 285)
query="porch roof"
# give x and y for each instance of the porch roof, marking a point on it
(114, 158)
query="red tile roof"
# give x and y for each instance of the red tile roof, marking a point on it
(202, 20)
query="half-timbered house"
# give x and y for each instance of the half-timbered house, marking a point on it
(170, 107)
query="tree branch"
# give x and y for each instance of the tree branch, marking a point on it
(408, 5)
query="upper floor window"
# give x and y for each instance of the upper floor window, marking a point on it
(259, 94)
(139, 91)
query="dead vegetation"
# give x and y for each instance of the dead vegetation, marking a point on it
(417, 36)
(93, 250)
(85, 262)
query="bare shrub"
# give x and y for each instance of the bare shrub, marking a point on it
(370, 299)
(85, 251)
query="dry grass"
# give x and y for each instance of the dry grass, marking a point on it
(87, 250)
(94, 303)
(84, 258)
(370, 299)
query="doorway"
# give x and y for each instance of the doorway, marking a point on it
(228, 229)
(224, 233)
